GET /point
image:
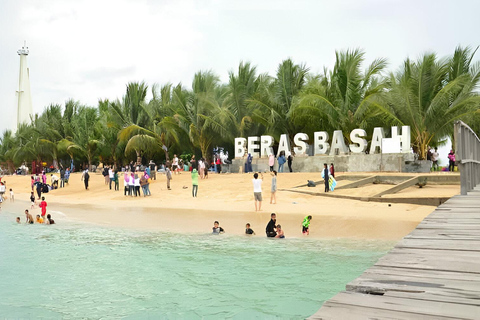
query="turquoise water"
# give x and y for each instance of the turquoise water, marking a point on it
(81, 271)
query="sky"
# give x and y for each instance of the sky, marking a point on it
(89, 50)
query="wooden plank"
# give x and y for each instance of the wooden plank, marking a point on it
(432, 308)
(335, 311)
(421, 275)
(448, 260)
(440, 244)
(446, 290)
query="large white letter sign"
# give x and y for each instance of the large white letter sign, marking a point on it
(320, 142)
(338, 142)
(266, 143)
(283, 145)
(253, 146)
(378, 135)
(404, 138)
(356, 136)
(240, 147)
(300, 144)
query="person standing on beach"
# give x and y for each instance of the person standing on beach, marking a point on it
(289, 161)
(193, 162)
(153, 170)
(126, 187)
(273, 197)
(62, 178)
(137, 185)
(115, 180)
(110, 177)
(131, 184)
(44, 177)
(85, 178)
(194, 182)
(325, 176)
(105, 175)
(332, 170)
(306, 225)
(249, 163)
(43, 205)
(201, 168)
(143, 184)
(175, 164)
(271, 226)
(271, 161)
(39, 189)
(32, 182)
(32, 200)
(451, 161)
(281, 161)
(168, 174)
(257, 191)
(434, 158)
(67, 175)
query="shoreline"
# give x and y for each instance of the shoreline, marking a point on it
(227, 198)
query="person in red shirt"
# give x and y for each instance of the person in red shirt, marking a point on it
(43, 205)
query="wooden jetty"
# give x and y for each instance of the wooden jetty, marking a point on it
(433, 273)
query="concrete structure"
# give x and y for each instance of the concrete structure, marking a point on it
(467, 152)
(355, 162)
(24, 98)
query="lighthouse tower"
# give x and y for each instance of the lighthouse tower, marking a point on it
(24, 98)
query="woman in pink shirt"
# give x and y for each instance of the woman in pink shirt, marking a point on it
(271, 161)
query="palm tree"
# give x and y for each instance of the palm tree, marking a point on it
(203, 113)
(342, 99)
(85, 139)
(7, 144)
(273, 103)
(430, 94)
(241, 87)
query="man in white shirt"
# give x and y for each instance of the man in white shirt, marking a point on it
(175, 164)
(257, 191)
(435, 156)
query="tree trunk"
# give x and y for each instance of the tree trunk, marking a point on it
(139, 157)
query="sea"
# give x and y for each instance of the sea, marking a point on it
(72, 270)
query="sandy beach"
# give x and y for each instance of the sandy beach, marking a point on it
(228, 198)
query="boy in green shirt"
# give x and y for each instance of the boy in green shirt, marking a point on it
(306, 224)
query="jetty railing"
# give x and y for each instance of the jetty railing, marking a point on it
(467, 154)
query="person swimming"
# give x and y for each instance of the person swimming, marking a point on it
(280, 233)
(248, 230)
(217, 229)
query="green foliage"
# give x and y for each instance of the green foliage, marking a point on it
(428, 94)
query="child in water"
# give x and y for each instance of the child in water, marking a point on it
(248, 230)
(280, 233)
(39, 219)
(217, 229)
(18, 219)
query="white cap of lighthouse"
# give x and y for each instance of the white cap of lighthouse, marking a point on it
(24, 98)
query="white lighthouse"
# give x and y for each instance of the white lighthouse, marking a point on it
(24, 98)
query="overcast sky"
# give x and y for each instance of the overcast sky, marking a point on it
(88, 50)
